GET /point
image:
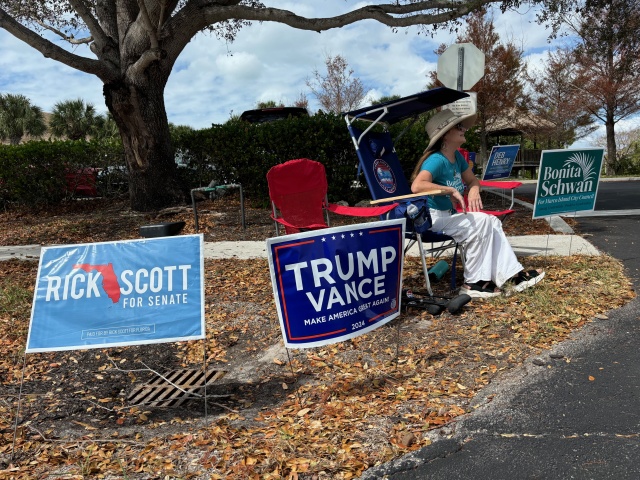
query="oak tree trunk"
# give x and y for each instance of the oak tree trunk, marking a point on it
(140, 114)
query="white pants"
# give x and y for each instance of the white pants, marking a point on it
(488, 254)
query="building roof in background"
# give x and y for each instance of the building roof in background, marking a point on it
(517, 122)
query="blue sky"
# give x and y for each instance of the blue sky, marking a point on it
(267, 61)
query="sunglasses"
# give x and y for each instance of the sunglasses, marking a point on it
(461, 127)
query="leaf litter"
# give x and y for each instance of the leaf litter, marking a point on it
(320, 413)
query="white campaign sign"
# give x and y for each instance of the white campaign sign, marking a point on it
(464, 106)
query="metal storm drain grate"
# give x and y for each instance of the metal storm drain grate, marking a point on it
(175, 388)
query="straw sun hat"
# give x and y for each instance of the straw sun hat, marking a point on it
(445, 120)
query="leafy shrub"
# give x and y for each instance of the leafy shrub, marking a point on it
(31, 173)
(628, 165)
(240, 152)
(35, 173)
(234, 152)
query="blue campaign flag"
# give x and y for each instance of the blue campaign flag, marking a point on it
(110, 294)
(500, 162)
(337, 283)
(568, 181)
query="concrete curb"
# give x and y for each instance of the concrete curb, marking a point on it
(527, 245)
(21, 252)
(568, 244)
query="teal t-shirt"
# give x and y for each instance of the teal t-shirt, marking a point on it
(447, 174)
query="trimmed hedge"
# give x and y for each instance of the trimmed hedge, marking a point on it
(44, 172)
(235, 152)
(239, 152)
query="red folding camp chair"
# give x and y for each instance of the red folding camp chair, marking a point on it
(505, 188)
(501, 188)
(298, 192)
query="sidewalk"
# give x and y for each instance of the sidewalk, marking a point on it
(523, 246)
(527, 245)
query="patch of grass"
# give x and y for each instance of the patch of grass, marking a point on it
(574, 290)
(16, 295)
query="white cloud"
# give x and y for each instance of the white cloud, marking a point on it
(44, 81)
(267, 61)
(598, 138)
(520, 27)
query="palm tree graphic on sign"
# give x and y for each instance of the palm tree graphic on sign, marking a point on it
(585, 163)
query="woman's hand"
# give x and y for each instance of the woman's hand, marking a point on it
(474, 202)
(457, 198)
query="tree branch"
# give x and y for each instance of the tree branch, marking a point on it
(392, 15)
(166, 7)
(146, 59)
(197, 15)
(50, 50)
(147, 25)
(90, 21)
(71, 39)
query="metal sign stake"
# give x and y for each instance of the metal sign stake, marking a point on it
(460, 68)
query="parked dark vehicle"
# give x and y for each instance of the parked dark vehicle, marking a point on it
(263, 115)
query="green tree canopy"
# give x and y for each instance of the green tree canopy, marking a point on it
(269, 104)
(105, 128)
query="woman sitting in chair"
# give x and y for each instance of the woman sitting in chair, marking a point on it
(489, 259)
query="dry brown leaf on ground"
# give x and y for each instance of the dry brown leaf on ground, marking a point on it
(346, 406)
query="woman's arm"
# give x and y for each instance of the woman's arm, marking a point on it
(424, 182)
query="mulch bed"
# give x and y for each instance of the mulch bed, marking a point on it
(317, 413)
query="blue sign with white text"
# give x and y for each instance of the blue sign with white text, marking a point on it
(336, 283)
(500, 162)
(118, 293)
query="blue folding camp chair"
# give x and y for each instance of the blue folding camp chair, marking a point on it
(383, 172)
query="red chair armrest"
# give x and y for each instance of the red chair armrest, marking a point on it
(361, 211)
(496, 213)
(501, 185)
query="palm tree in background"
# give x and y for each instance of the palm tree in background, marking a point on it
(73, 119)
(105, 128)
(18, 117)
